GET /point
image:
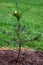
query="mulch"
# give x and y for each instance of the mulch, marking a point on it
(27, 57)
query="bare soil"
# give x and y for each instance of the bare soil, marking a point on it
(27, 57)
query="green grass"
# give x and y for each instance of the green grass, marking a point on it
(32, 18)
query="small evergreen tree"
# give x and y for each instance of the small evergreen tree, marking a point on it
(21, 29)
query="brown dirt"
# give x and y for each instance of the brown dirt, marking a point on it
(27, 57)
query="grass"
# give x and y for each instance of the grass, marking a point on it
(32, 18)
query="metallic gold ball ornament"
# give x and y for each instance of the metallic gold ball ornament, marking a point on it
(16, 14)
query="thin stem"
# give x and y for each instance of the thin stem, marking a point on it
(18, 34)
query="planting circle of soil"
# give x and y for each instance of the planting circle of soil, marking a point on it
(27, 57)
